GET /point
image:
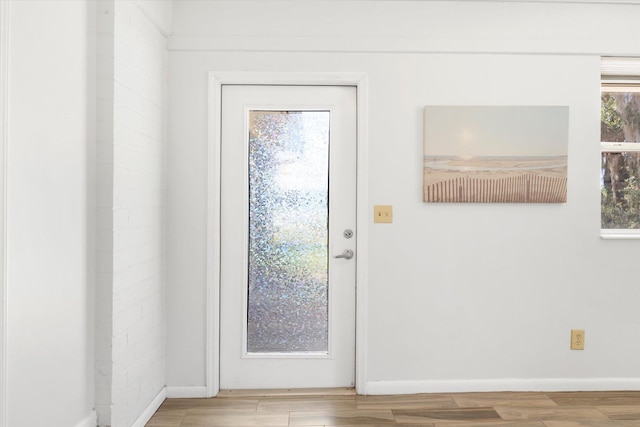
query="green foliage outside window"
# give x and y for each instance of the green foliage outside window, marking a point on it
(620, 171)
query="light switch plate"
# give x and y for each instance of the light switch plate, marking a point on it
(383, 214)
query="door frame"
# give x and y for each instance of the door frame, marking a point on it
(212, 300)
(5, 9)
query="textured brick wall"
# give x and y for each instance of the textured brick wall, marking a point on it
(104, 203)
(131, 195)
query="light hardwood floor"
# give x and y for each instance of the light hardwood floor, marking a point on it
(343, 408)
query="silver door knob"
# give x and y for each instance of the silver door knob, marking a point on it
(347, 254)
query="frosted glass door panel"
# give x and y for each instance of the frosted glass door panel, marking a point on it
(287, 308)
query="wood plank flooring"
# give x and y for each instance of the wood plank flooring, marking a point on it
(341, 407)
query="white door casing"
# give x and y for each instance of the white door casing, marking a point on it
(212, 302)
(4, 140)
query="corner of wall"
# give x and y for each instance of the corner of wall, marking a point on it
(130, 333)
(146, 415)
(104, 210)
(159, 13)
(4, 112)
(90, 421)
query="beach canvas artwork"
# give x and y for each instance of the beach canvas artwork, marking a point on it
(486, 154)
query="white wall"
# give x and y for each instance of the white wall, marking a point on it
(460, 297)
(131, 201)
(50, 172)
(507, 26)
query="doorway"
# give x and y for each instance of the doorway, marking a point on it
(217, 79)
(288, 233)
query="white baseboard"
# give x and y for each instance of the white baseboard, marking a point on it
(151, 409)
(90, 421)
(508, 384)
(186, 391)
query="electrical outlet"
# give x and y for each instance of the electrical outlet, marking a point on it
(577, 339)
(382, 213)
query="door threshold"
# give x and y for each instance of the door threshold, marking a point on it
(336, 391)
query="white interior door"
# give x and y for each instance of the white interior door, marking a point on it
(288, 224)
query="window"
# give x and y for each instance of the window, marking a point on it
(620, 149)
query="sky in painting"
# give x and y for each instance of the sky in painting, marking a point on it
(495, 131)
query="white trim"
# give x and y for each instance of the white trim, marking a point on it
(619, 234)
(192, 392)
(91, 420)
(619, 85)
(379, 44)
(362, 237)
(612, 66)
(5, 9)
(151, 408)
(216, 80)
(212, 311)
(326, 355)
(507, 384)
(617, 147)
(495, 1)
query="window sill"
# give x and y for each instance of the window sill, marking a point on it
(614, 234)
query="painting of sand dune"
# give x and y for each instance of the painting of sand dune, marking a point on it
(495, 154)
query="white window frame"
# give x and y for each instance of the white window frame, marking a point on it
(623, 73)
